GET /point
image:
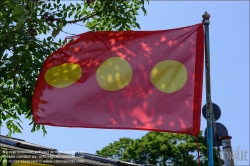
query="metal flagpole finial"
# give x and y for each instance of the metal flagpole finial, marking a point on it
(206, 17)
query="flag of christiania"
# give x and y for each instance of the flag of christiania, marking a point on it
(142, 80)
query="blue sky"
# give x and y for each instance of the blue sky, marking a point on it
(229, 51)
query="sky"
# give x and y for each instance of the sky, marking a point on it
(229, 58)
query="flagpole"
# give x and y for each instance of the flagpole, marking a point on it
(209, 115)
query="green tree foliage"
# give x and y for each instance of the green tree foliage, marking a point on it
(23, 50)
(160, 148)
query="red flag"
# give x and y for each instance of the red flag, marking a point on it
(144, 80)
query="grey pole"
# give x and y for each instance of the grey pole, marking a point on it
(227, 151)
(210, 131)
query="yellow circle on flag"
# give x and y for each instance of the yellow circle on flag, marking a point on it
(114, 73)
(169, 76)
(63, 75)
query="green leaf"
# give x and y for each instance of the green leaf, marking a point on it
(18, 11)
(44, 130)
(59, 14)
(57, 30)
(137, 25)
(33, 128)
(3, 117)
(19, 125)
(4, 162)
(22, 106)
(71, 13)
(144, 11)
(15, 1)
(48, 6)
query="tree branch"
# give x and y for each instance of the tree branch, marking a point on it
(60, 20)
(1, 101)
(68, 33)
(81, 19)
